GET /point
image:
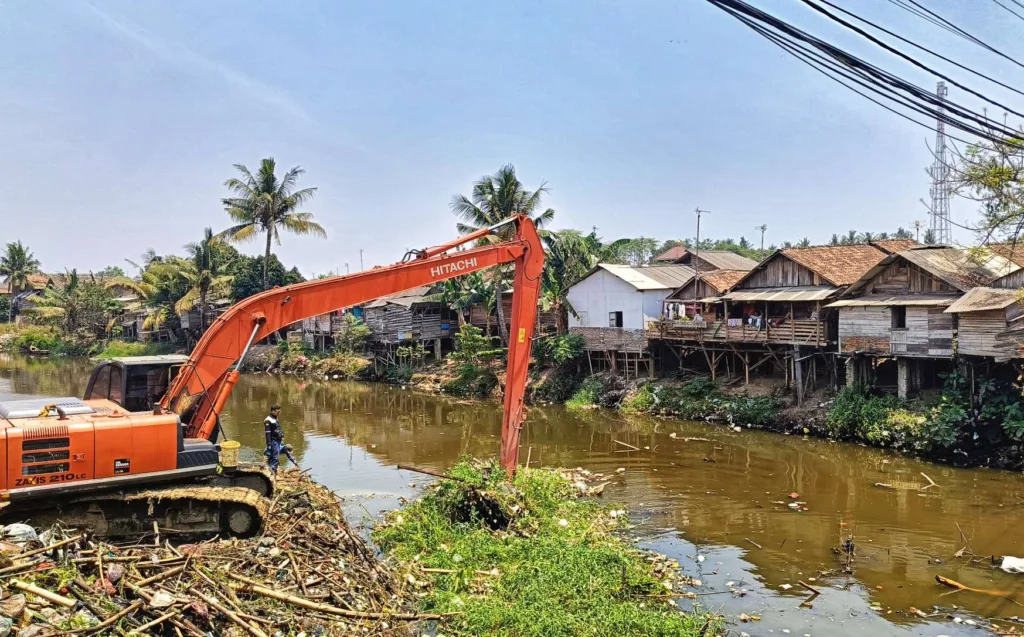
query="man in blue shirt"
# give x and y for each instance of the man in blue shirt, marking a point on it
(275, 438)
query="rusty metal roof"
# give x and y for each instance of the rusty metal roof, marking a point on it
(982, 299)
(408, 298)
(722, 280)
(883, 300)
(672, 254)
(791, 294)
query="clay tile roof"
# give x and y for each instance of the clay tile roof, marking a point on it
(839, 265)
(722, 280)
(670, 255)
(894, 245)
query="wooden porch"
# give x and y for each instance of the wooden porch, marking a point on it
(789, 332)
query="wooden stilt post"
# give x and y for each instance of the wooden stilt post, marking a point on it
(746, 369)
(798, 373)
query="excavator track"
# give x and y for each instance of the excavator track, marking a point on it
(249, 475)
(194, 510)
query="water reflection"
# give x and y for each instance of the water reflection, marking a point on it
(693, 488)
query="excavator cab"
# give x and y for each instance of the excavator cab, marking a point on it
(136, 383)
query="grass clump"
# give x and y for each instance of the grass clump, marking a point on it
(473, 380)
(556, 567)
(118, 349)
(588, 394)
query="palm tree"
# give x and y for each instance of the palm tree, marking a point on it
(206, 271)
(567, 259)
(495, 198)
(17, 263)
(160, 286)
(61, 302)
(264, 204)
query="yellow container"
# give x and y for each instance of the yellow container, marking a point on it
(229, 453)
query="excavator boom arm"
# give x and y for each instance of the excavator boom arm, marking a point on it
(200, 391)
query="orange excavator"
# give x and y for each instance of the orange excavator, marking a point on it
(140, 450)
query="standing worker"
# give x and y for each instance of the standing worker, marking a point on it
(275, 438)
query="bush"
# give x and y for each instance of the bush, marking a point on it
(643, 400)
(39, 337)
(558, 350)
(747, 410)
(344, 365)
(117, 349)
(558, 387)
(470, 343)
(855, 411)
(900, 429)
(473, 380)
(588, 394)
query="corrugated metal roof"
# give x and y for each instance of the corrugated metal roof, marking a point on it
(654, 277)
(1014, 251)
(982, 299)
(407, 298)
(795, 293)
(963, 268)
(959, 267)
(876, 300)
(725, 260)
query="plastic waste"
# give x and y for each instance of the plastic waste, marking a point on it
(19, 533)
(1012, 564)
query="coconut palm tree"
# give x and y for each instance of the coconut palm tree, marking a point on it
(206, 271)
(495, 198)
(17, 263)
(62, 303)
(568, 257)
(265, 204)
(160, 286)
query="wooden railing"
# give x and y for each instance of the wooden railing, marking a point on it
(797, 332)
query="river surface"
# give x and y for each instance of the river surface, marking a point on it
(716, 499)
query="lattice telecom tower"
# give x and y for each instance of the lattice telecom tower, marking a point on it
(938, 212)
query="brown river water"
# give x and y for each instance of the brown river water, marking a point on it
(713, 498)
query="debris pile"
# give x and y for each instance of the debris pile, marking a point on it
(307, 572)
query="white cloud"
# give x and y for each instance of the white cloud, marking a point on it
(184, 57)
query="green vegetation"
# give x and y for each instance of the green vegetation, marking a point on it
(495, 198)
(46, 339)
(992, 418)
(559, 568)
(118, 349)
(247, 276)
(262, 203)
(701, 399)
(558, 350)
(588, 394)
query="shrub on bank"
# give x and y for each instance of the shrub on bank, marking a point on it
(473, 380)
(588, 394)
(118, 349)
(700, 399)
(553, 565)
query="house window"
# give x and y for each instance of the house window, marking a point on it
(899, 317)
(614, 319)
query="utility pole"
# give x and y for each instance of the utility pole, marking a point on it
(917, 229)
(346, 267)
(696, 256)
(361, 259)
(763, 227)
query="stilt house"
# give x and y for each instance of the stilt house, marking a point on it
(614, 305)
(900, 311)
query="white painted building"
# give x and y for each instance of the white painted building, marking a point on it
(614, 303)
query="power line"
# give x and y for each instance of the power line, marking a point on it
(935, 18)
(918, 46)
(871, 77)
(1008, 9)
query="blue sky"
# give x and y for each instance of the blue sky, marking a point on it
(121, 120)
